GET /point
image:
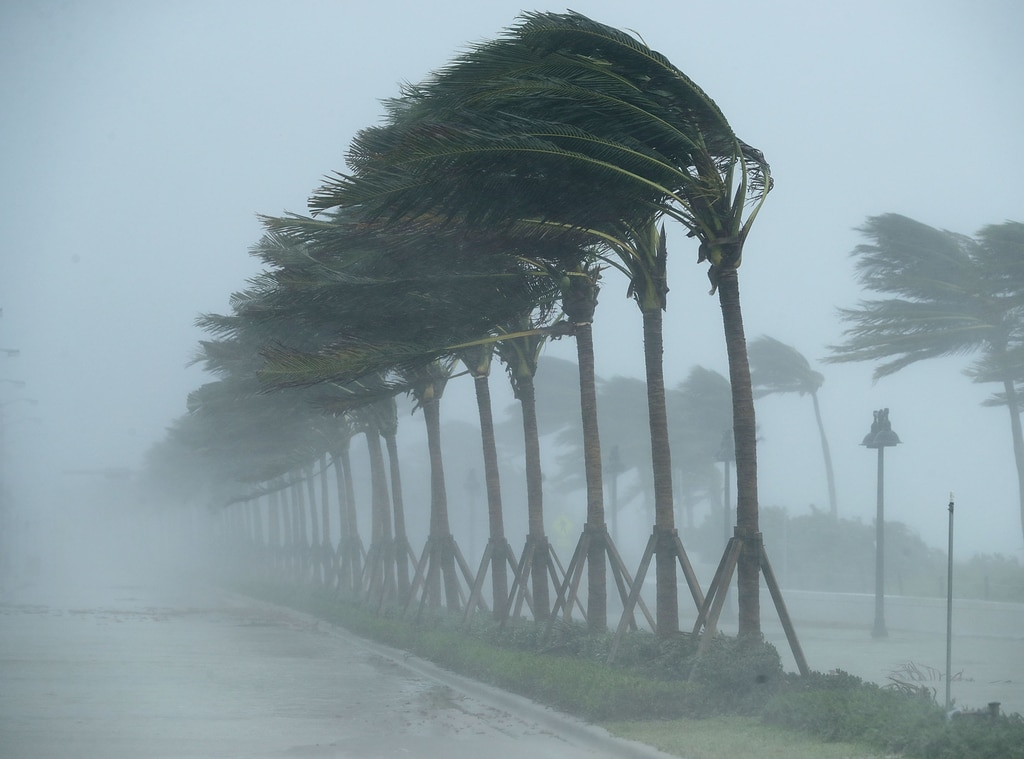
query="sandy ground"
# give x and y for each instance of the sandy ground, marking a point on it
(142, 672)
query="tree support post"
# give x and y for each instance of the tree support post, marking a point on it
(711, 609)
(661, 539)
(568, 593)
(497, 551)
(520, 591)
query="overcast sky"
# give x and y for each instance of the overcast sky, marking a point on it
(138, 140)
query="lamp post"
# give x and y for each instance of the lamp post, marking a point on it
(880, 437)
(949, 607)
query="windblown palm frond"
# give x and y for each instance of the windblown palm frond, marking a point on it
(779, 368)
(563, 109)
(952, 295)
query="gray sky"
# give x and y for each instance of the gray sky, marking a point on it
(139, 139)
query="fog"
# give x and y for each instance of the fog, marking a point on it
(141, 139)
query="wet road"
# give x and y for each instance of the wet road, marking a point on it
(145, 671)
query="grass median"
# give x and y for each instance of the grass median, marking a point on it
(732, 700)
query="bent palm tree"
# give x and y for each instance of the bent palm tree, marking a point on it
(567, 124)
(949, 295)
(498, 554)
(780, 368)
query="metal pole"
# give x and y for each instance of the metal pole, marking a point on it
(879, 630)
(949, 608)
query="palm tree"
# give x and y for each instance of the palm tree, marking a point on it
(579, 302)
(433, 299)
(567, 124)
(948, 295)
(441, 553)
(350, 551)
(520, 355)
(700, 409)
(779, 368)
(498, 554)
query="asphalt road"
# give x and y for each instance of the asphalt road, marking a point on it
(145, 671)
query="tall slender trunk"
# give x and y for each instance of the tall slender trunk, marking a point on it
(1013, 403)
(827, 454)
(440, 529)
(534, 495)
(300, 529)
(288, 528)
(326, 551)
(495, 516)
(274, 525)
(258, 537)
(349, 543)
(398, 503)
(325, 501)
(748, 569)
(381, 538)
(597, 574)
(667, 602)
(315, 557)
(346, 526)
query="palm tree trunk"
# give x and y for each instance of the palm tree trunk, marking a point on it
(597, 575)
(495, 516)
(380, 540)
(748, 568)
(667, 602)
(534, 496)
(398, 502)
(300, 531)
(440, 528)
(326, 551)
(350, 547)
(1013, 403)
(273, 527)
(288, 525)
(829, 475)
(314, 526)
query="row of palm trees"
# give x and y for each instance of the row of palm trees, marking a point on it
(482, 212)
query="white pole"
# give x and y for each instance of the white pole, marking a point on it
(949, 607)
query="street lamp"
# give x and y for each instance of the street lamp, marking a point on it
(880, 437)
(949, 606)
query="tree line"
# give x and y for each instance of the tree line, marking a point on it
(477, 221)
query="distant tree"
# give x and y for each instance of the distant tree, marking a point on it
(700, 409)
(779, 368)
(947, 295)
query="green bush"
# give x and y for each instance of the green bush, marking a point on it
(740, 675)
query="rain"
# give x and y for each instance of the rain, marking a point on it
(144, 147)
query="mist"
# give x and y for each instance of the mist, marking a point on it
(141, 141)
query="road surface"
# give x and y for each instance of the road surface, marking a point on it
(145, 671)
